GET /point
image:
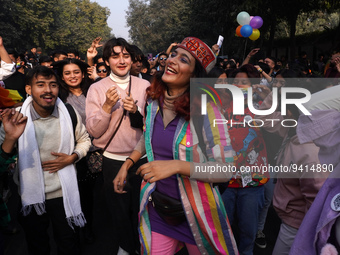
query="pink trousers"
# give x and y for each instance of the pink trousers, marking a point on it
(164, 245)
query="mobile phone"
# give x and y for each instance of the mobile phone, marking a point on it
(220, 41)
(149, 56)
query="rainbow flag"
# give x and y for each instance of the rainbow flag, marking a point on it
(9, 97)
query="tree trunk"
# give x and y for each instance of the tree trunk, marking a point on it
(271, 35)
(292, 23)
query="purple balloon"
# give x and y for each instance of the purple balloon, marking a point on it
(246, 30)
(256, 22)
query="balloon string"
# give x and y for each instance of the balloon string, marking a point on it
(245, 48)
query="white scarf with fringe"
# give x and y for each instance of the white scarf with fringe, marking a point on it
(32, 187)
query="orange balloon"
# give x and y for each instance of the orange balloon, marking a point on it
(238, 31)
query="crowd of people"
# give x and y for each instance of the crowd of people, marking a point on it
(132, 120)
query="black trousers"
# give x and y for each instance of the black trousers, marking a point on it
(86, 183)
(36, 226)
(123, 208)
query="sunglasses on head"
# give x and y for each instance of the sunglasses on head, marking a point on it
(163, 58)
(102, 71)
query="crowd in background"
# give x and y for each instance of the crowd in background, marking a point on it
(246, 198)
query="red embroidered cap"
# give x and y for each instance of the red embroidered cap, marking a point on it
(200, 52)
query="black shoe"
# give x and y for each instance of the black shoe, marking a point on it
(260, 240)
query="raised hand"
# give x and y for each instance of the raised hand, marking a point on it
(129, 104)
(14, 123)
(95, 43)
(112, 97)
(262, 90)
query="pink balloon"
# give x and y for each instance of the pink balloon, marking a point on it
(251, 17)
(256, 22)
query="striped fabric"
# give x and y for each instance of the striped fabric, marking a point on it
(217, 136)
(202, 203)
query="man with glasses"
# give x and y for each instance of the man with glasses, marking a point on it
(162, 57)
(102, 70)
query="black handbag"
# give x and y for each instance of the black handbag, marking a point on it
(168, 208)
(95, 161)
(95, 158)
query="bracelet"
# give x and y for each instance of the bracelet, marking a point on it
(260, 70)
(131, 160)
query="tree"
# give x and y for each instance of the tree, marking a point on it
(154, 24)
(55, 24)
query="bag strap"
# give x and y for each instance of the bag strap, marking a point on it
(73, 118)
(120, 121)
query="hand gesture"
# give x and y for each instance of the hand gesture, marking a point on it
(95, 43)
(253, 52)
(60, 162)
(215, 48)
(262, 90)
(112, 96)
(14, 123)
(92, 72)
(91, 53)
(129, 104)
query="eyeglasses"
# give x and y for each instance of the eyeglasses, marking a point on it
(162, 58)
(102, 71)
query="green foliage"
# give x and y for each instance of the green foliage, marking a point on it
(155, 24)
(58, 24)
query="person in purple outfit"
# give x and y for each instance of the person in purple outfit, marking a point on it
(200, 222)
(319, 232)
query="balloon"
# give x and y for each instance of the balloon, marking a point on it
(256, 22)
(246, 30)
(255, 35)
(238, 31)
(243, 18)
(251, 17)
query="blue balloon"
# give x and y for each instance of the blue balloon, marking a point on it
(246, 30)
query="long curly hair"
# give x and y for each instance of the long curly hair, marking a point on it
(182, 104)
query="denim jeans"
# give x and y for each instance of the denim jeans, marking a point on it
(268, 197)
(247, 203)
